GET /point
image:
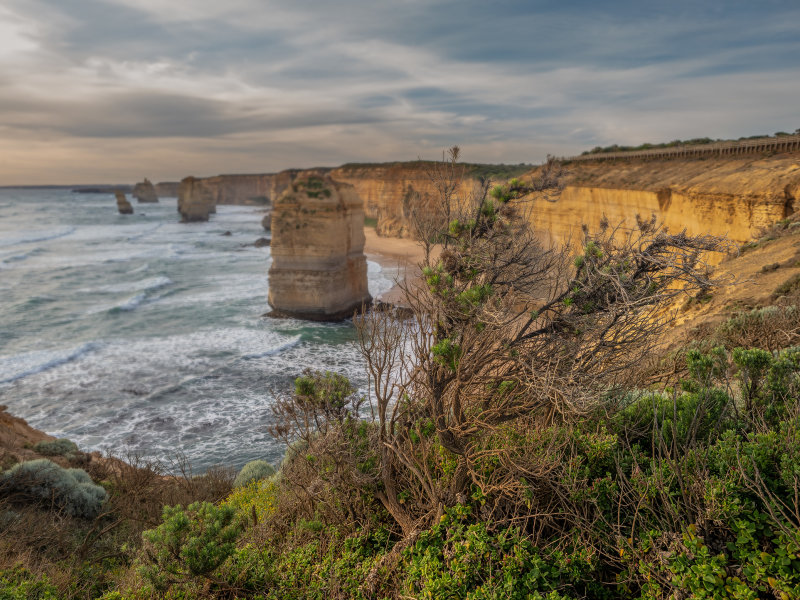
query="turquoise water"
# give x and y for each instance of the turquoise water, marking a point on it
(139, 333)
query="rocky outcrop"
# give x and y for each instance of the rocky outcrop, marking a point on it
(319, 270)
(123, 206)
(194, 201)
(266, 222)
(145, 192)
(391, 192)
(729, 196)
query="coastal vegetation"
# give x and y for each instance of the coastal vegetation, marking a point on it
(527, 434)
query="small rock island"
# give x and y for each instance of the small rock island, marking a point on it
(319, 271)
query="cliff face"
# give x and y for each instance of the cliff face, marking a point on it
(390, 193)
(734, 197)
(318, 270)
(145, 192)
(167, 189)
(194, 201)
(245, 189)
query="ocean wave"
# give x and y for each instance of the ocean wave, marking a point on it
(130, 304)
(139, 269)
(38, 236)
(143, 285)
(22, 365)
(276, 349)
(12, 258)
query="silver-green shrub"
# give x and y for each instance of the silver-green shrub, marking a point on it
(59, 447)
(255, 470)
(72, 490)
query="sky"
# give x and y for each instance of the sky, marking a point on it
(95, 91)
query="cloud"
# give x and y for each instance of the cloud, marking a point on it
(107, 88)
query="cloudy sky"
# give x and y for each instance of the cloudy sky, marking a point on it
(115, 90)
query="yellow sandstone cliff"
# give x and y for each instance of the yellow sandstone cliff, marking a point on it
(391, 192)
(727, 196)
(318, 270)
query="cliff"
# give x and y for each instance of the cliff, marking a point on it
(319, 271)
(260, 189)
(195, 203)
(145, 192)
(728, 196)
(167, 189)
(392, 192)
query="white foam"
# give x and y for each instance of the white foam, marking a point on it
(16, 367)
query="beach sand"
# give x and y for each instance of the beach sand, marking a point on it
(394, 252)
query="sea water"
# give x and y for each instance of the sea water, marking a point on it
(141, 334)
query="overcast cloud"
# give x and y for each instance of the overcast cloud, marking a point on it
(115, 90)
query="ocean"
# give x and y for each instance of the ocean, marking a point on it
(142, 334)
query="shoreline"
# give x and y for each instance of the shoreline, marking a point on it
(402, 253)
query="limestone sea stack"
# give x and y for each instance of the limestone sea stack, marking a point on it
(195, 202)
(144, 191)
(123, 206)
(319, 271)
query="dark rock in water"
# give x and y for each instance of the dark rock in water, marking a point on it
(227, 233)
(266, 222)
(123, 206)
(262, 242)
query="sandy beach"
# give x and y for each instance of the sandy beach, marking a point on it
(395, 252)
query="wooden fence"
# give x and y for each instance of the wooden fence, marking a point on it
(784, 143)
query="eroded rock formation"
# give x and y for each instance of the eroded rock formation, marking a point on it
(123, 206)
(266, 221)
(194, 201)
(144, 191)
(319, 270)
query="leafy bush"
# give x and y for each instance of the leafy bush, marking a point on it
(255, 470)
(59, 447)
(69, 489)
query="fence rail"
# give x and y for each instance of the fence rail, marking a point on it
(784, 143)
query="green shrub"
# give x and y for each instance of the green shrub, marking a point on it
(20, 584)
(460, 559)
(72, 490)
(190, 543)
(255, 470)
(59, 447)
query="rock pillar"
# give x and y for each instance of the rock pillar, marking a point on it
(319, 271)
(195, 202)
